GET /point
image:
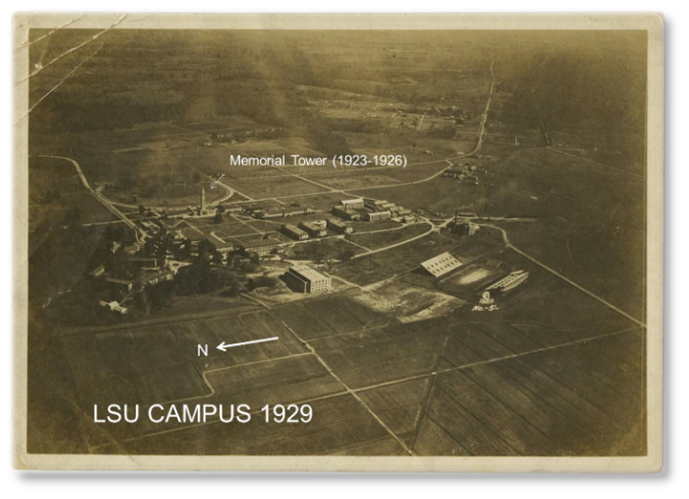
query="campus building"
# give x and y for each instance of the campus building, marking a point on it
(339, 226)
(295, 232)
(352, 204)
(442, 264)
(344, 214)
(374, 216)
(147, 263)
(375, 203)
(313, 229)
(261, 248)
(157, 278)
(304, 279)
(266, 213)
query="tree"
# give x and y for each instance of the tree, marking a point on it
(346, 254)
(208, 253)
(161, 295)
(182, 251)
(229, 258)
(117, 265)
(315, 251)
(235, 289)
(260, 282)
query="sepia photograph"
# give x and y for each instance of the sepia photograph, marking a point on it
(339, 242)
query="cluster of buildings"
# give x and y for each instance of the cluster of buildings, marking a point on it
(348, 210)
(171, 242)
(150, 271)
(242, 136)
(314, 229)
(203, 209)
(463, 229)
(461, 172)
(137, 271)
(453, 113)
(462, 225)
(369, 210)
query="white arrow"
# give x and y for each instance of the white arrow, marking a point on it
(215, 183)
(224, 347)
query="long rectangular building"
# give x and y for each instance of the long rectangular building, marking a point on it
(352, 204)
(261, 247)
(295, 232)
(374, 216)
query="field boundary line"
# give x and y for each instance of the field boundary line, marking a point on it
(350, 391)
(567, 280)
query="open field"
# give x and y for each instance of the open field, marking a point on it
(490, 371)
(469, 278)
(554, 174)
(277, 187)
(393, 360)
(425, 168)
(402, 259)
(441, 195)
(610, 272)
(376, 239)
(170, 195)
(58, 192)
(355, 182)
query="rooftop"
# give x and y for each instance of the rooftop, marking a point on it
(308, 273)
(441, 264)
(259, 243)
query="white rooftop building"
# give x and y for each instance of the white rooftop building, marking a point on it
(441, 264)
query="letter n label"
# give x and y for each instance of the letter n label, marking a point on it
(204, 349)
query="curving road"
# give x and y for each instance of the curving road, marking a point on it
(109, 205)
(401, 243)
(477, 148)
(111, 202)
